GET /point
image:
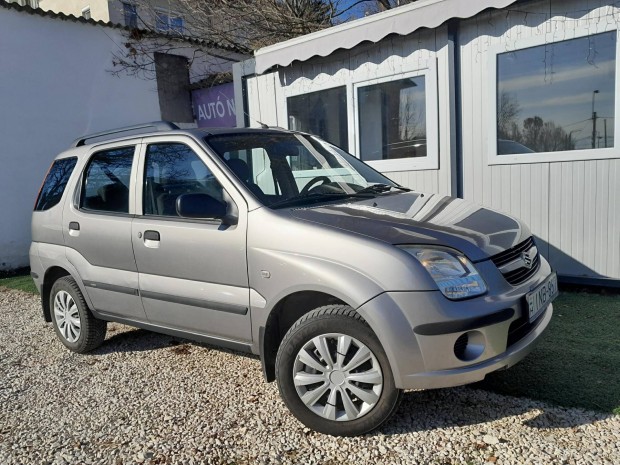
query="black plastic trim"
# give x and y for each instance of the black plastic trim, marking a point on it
(221, 307)
(449, 327)
(234, 345)
(112, 287)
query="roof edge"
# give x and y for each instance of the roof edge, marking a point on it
(402, 21)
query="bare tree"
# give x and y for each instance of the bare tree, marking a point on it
(228, 29)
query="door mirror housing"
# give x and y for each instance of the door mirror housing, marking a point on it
(204, 206)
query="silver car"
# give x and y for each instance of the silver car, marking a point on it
(350, 287)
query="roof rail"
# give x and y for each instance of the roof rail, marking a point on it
(158, 125)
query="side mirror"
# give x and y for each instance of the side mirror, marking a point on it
(203, 206)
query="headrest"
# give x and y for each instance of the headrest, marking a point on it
(240, 168)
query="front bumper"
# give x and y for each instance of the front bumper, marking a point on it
(421, 333)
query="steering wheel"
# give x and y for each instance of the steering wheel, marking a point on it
(313, 181)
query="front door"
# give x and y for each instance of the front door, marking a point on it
(193, 272)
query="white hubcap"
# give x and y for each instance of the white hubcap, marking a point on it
(337, 377)
(67, 316)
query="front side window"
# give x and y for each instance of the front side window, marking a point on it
(106, 181)
(323, 113)
(170, 171)
(557, 97)
(55, 182)
(392, 119)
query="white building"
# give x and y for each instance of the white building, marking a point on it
(511, 104)
(160, 15)
(55, 85)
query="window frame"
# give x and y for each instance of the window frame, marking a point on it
(352, 81)
(127, 5)
(491, 108)
(204, 154)
(79, 188)
(300, 90)
(168, 14)
(431, 160)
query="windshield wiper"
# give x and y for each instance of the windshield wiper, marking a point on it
(380, 188)
(318, 197)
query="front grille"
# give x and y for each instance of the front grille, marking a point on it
(522, 273)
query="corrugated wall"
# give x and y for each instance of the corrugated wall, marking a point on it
(397, 55)
(572, 206)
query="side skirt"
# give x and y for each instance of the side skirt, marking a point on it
(216, 341)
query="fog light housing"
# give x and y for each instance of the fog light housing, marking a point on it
(469, 346)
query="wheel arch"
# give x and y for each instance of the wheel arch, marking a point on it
(282, 316)
(53, 274)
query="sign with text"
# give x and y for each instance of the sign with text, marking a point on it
(215, 107)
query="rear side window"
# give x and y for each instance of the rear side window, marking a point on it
(106, 181)
(55, 182)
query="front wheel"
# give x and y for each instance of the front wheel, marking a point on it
(333, 373)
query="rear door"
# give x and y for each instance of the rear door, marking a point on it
(97, 230)
(193, 272)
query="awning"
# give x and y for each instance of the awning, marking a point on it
(402, 20)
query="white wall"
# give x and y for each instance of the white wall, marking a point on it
(573, 206)
(393, 56)
(55, 85)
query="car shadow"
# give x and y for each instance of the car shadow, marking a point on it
(142, 340)
(418, 411)
(466, 406)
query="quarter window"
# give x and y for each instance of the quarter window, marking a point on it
(170, 171)
(106, 181)
(558, 96)
(392, 119)
(55, 183)
(323, 113)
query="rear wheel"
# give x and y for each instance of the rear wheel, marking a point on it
(75, 325)
(333, 373)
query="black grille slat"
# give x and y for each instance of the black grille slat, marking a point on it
(522, 274)
(509, 255)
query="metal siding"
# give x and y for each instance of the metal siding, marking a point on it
(572, 206)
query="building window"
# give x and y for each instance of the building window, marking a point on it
(130, 14)
(167, 21)
(86, 13)
(392, 119)
(323, 113)
(556, 97)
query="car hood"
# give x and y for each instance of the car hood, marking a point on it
(420, 218)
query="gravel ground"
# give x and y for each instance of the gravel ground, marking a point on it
(148, 398)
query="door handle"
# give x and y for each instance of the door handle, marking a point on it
(74, 228)
(151, 235)
(151, 239)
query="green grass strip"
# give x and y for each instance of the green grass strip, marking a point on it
(20, 283)
(577, 362)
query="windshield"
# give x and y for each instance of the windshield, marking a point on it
(283, 169)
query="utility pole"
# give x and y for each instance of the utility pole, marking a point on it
(605, 121)
(594, 120)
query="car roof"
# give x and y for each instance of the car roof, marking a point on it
(163, 128)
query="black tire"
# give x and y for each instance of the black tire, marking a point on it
(92, 331)
(339, 319)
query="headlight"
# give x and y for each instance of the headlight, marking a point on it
(454, 274)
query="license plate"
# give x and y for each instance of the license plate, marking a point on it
(542, 296)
